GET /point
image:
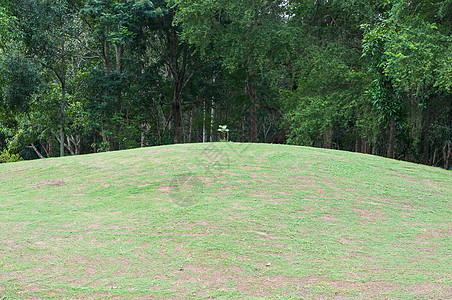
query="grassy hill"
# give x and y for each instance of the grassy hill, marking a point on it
(224, 220)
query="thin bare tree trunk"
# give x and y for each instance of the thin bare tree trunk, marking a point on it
(190, 125)
(435, 154)
(243, 123)
(45, 150)
(365, 147)
(204, 132)
(119, 51)
(145, 130)
(106, 53)
(36, 151)
(253, 133)
(176, 121)
(212, 120)
(447, 154)
(78, 145)
(69, 145)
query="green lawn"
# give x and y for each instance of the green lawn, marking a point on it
(224, 220)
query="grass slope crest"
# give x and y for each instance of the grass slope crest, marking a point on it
(224, 220)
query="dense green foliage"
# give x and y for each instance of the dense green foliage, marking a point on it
(81, 76)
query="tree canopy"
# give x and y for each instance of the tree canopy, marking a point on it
(81, 76)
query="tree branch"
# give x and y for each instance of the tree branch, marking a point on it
(32, 146)
(196, 68)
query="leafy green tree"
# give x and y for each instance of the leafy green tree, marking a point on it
(20, 81)
(325, 80)
(95, 75)
(382, 91)
(144, 41)
(410, 47)
(48, 28)
(8, 31)
(243, 33)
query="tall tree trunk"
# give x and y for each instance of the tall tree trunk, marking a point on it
(415, 119)
(78, 145)
(63, 100)
(358, 143)
(160, 120)
(365, 147)
(391, 138)
(447, 154)
(178, 78)
(69, 145)
(106, 54)
(252, 93)
(190, 128)
(176, 121)
(204, 132)
(435, 154)
(253, 124)
(243, 136)
(328, 138)
(212, 121)
(49, 145)
(177, 70)
(426, 148)
(119, 51)
(177, 118)
(145, 127)
(63, 97)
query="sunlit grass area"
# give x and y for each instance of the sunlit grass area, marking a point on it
(224, 220)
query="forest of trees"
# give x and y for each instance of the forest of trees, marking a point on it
(84, 76)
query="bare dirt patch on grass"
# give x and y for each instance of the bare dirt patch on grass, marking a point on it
(258, 195)
(303, 180)
(236, 279)
(284, 193)
(166, 188)
(278, 201)
(398, 203)
(143, 185)
(45, 183)
(432, 236)
(329, 218)
(432, 184)
(368, 214)
(228, 187)
(267, 236)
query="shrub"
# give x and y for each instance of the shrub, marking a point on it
(6, 157)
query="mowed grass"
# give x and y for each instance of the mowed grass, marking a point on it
(224, 220)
